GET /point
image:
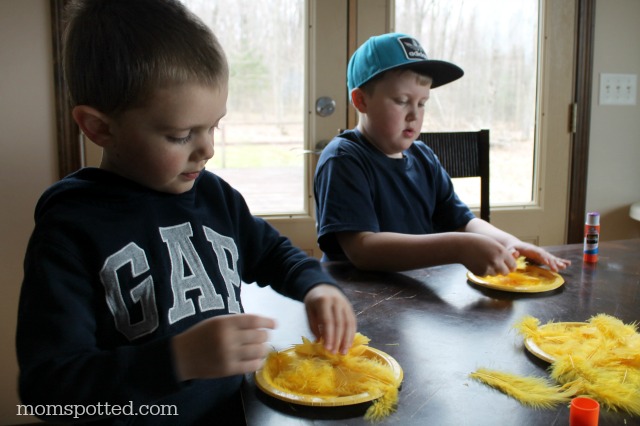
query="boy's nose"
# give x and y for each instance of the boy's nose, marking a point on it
(205, 149)
(414, 113)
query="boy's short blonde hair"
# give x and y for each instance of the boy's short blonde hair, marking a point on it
(116, 52)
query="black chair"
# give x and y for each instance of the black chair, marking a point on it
(464, 154)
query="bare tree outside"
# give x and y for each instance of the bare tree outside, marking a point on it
(496, 43)
(259, 146)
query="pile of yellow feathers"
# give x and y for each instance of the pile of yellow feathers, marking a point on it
(312, 370)
(599, 359)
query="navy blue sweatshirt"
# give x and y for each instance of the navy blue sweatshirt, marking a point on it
(113, 270)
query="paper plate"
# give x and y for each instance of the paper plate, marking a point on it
(532, 279)
(265, 384)
(537, 351)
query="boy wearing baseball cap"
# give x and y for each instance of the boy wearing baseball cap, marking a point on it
(383, 200)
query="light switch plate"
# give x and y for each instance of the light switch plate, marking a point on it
(618, 89)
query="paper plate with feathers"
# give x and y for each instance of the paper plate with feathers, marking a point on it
(526, 278)
(551, 338)
(307, 374)
(599, 358)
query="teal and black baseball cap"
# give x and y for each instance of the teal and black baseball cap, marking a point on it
(397, 51)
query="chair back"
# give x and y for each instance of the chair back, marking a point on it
(464, 154)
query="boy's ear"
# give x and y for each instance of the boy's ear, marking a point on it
(93, 123)
(358, 99)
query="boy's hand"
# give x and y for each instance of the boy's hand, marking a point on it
(540, 256)
(331, 317)
(497, 250)
(222, 346)
(483, 255)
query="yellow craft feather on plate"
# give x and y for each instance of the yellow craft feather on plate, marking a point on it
(599, 358)
(308, 374)
(525, 279)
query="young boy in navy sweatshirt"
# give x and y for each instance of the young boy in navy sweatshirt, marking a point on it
(133, 275)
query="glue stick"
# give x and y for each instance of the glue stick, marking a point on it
(591, 237)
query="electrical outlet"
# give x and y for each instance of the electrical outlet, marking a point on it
(618, 89)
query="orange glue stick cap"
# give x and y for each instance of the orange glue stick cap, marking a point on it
(584, 412)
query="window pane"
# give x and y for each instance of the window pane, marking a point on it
(259, 147)
(495, 42)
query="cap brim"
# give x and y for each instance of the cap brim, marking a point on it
(441, 72)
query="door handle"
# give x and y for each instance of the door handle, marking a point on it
(321, 145)
(325, 106)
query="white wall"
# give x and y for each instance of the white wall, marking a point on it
(28, 149)
(614, 155)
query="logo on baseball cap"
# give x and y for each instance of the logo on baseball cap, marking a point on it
(395, 51)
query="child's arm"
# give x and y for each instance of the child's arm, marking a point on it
(519, 247)
(331, 317)
(480, 247)
(388, 251)
(221, 346)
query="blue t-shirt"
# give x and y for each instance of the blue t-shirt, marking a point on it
(358, 188)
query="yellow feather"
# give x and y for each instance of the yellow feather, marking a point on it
(535, 392)
(383, 406)
(521, 263)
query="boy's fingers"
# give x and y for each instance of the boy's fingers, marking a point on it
(248, 366)
(343, 329)
(344, 344)
(350, 329)
(327, 319)
(254, 352)
(314, 322)
(331, 319)
(252, 321)
(252, 336)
